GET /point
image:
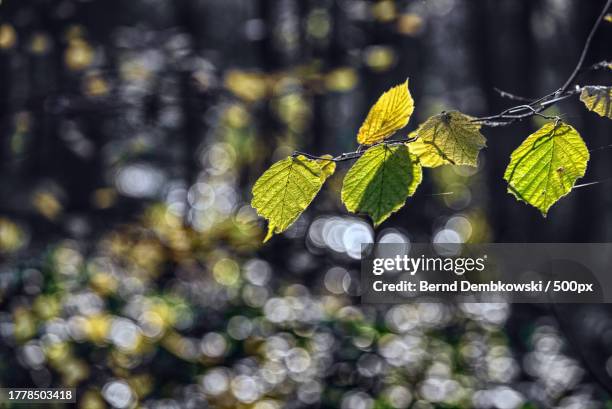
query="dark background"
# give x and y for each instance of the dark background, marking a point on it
(132, 132)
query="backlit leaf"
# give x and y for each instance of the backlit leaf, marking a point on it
(380, 181)
(546, 165)
(328, 166)
(448, 138)
(286, 189)
(390, 113)
(427, 155)
(598, 99)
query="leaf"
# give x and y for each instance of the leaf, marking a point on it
(448, 138)
(328, 167)
(286, 189)
(389, 114)
(598, 99)
(427, 154)
(546, 165)
(380, 181)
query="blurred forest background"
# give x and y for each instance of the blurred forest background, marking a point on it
(132, 267)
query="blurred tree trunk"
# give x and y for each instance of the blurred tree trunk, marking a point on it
(513, 71)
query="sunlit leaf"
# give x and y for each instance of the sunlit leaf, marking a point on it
(328, 166)
(448, 138)
(380, 181)
(546, 165)
(390, 113)
(598, 99)
(286, 189)
(427, 155)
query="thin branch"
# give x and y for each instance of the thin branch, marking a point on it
(585, 49)
(520, 112)
(505, 94)
(597, 66)
(597, 182)
(355, 154)
(601, 148)
(511, 115)
(515, 113)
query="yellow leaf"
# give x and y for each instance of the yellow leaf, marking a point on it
(448, 138)
(390, 113)
(598, 99)
(328, 166)
(427, 156)
(608, 18)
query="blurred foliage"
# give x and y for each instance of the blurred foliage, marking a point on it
(131, 264)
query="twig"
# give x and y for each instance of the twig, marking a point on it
(585, 49)
(597, 66)
(505, 94)
(355, 154)
(510, 116)
(597, 182)
(515, 113)
(601, 148)
(520, 112)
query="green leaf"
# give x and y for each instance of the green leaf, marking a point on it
(598, 99)
(546, 165)
(286, 189)
(389, 114)
(448, 138)
(380, 181)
